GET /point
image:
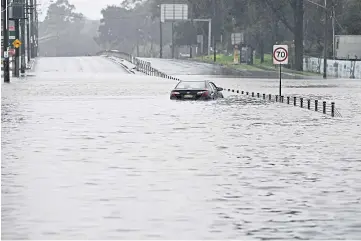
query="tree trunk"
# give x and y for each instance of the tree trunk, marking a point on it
(298, 34)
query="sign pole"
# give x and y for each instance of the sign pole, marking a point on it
(280, 82)
(17, 50)
(280, 56)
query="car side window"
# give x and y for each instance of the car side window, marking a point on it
(213, 86)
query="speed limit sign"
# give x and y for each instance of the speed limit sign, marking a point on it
(280, 54)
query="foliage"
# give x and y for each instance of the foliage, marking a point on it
(61, 22)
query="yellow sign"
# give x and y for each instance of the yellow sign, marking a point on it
(16, 43)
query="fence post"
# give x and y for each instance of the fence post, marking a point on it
(294, 101)
(308, 104)
(269, 96)
(301, 102)
(316, 105)
(276, 98)
(333, 109)
(281, 98)
(288, 100)
(324, 107)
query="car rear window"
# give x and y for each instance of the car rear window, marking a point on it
(191, 85)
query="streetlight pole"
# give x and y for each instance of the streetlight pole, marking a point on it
(325, 44)
(325, 36)
(214, 37)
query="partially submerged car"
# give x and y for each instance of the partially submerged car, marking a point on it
(196, 90)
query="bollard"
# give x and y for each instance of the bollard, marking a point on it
(264, 96)
(333, 109)
(281, 99)
(246, 93)
(257, 95)
(242, 92)
(269, 96)
(308, 104)
(316, 105)
(276, 98)
(288, 100)
(237, 91)
(294, 101)
(301, 102)
(232, 90)
(324, 107)
(252, 94)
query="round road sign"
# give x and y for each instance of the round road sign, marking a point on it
(280, 54)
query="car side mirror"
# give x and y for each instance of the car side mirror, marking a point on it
(219, 89)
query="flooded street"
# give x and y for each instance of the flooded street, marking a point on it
(92, 152)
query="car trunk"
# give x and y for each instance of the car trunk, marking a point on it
(189, 94)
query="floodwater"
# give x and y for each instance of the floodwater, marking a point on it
(91, 152)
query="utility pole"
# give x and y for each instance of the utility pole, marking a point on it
(22, 39)
(36, 29)
(192, 32)
(5, 19)
(32, 27)
(28, 44)
(214, 36)
(17, 50)
(325, 43)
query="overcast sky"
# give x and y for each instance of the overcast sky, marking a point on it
(90, 8)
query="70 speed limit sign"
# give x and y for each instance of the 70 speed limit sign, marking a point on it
(280, 54)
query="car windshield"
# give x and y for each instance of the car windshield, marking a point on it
(191, 85)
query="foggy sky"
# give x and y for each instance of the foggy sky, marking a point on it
(90, 8)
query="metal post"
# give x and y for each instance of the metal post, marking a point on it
(36, 34)
(333, 109)
(22, 39)
(4, 10)
(17, 50)
(192, 27)
(209, 36)
(214, 37)
(301, 102)
(160, 39)
(28, 44)
(172, 40)
(316, 105)
(280, 93)
(325, 43)
(324, 107)
(294, 101)
(333, 32)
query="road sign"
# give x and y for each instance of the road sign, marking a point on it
(173, 12)
(6, 54)
(237, 38)
(16, 43)
(280, 54)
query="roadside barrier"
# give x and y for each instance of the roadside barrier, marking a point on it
(307, 103)
(310, 104)
(141, 65)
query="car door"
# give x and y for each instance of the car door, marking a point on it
(213, 91)
(216, 93)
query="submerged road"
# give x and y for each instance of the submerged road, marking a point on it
(92, 152)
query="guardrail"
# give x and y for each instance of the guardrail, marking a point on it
(315, 105)
(141, 65)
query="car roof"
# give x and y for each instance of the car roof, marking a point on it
(193, 81)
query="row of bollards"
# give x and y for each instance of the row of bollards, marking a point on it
(296, 101)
